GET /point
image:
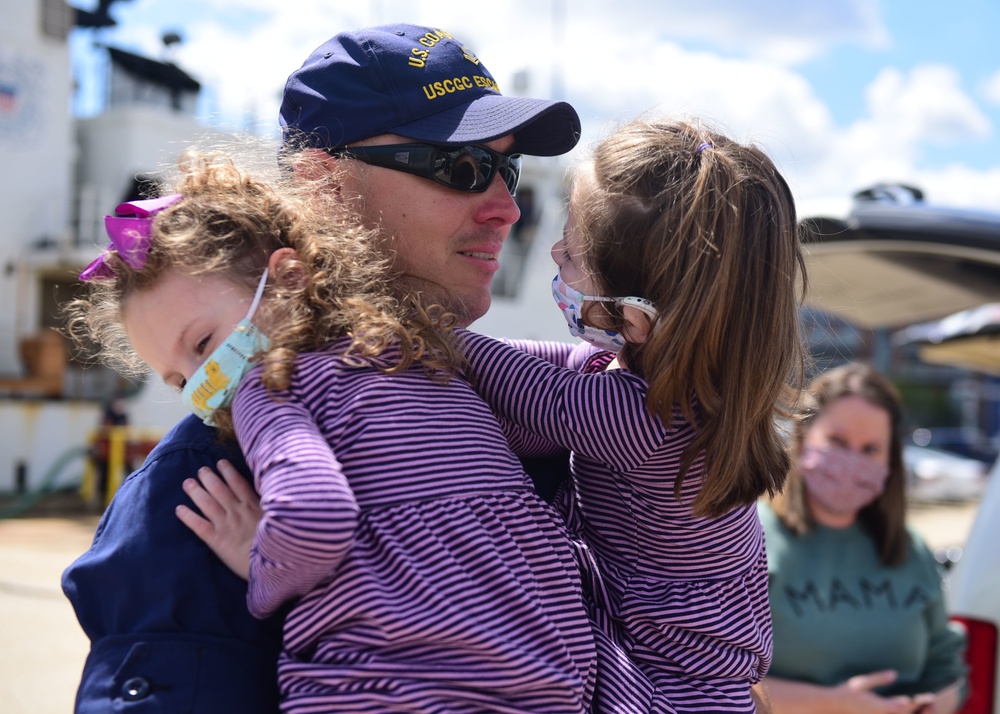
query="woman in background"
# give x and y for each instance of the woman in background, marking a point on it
(856, 598)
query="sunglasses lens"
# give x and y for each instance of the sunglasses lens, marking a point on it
(510, 172)
(466, 169)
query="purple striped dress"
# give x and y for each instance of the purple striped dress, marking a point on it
(684, 596)
(426, 575)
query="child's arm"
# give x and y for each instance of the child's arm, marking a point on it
(561, 354)
(524, 443)
(309, 509)
(230, 511)
(601, 415)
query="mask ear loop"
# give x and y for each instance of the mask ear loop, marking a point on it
(640, 304)
(258, 295)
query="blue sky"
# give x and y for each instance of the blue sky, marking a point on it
(842, 93)
(962, 36)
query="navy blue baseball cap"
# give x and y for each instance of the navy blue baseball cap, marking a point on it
(420, 83)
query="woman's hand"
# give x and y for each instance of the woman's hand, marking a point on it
(230, 511)
(945, 701)
(856, 695)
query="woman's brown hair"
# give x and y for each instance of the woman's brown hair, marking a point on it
(705, 228)
(885, 517)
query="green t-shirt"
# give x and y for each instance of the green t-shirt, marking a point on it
(838, 611)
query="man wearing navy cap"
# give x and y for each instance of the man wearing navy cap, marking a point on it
(430, 147)
(178, 637)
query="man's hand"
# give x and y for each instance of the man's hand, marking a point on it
(230, 511)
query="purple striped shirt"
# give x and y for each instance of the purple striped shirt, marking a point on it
(685, 596)
(426, 574)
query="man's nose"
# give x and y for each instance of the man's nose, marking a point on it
(499, 206)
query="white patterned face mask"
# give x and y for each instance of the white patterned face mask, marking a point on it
(570, 301)
(214, 383)
(841, 480)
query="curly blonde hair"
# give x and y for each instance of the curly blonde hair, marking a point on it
(229, 222)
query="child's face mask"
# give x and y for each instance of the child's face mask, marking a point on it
(214, 383)
(570, 301)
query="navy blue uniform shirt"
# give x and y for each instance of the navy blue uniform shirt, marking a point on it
(167, 620)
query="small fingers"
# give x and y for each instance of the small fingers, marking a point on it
(237, 483)
(231, 491)
(200, 526)
(208, 492)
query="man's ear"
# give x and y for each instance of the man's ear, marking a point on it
(286, 268)
(315, 166)
(639, 314)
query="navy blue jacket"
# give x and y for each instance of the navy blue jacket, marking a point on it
(167, 621)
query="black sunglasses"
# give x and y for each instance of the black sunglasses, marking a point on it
(463, 168)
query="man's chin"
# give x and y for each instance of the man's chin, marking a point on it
(431, 294)
(468, 311)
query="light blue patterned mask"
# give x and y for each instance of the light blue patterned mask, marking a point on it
(214, 383)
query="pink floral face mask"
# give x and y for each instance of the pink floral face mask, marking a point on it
(841, 480)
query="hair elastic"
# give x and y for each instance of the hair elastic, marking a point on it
(704, 145)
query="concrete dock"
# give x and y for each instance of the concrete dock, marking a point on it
(42, 648)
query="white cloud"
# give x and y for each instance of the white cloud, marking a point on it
(784, 31)
(905, 114)
(958, 185)
(928, 104)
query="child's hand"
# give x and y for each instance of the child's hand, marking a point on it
(230, 511)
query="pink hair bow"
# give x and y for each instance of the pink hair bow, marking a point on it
(129, 234)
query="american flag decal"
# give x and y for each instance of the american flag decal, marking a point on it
(8, 98)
